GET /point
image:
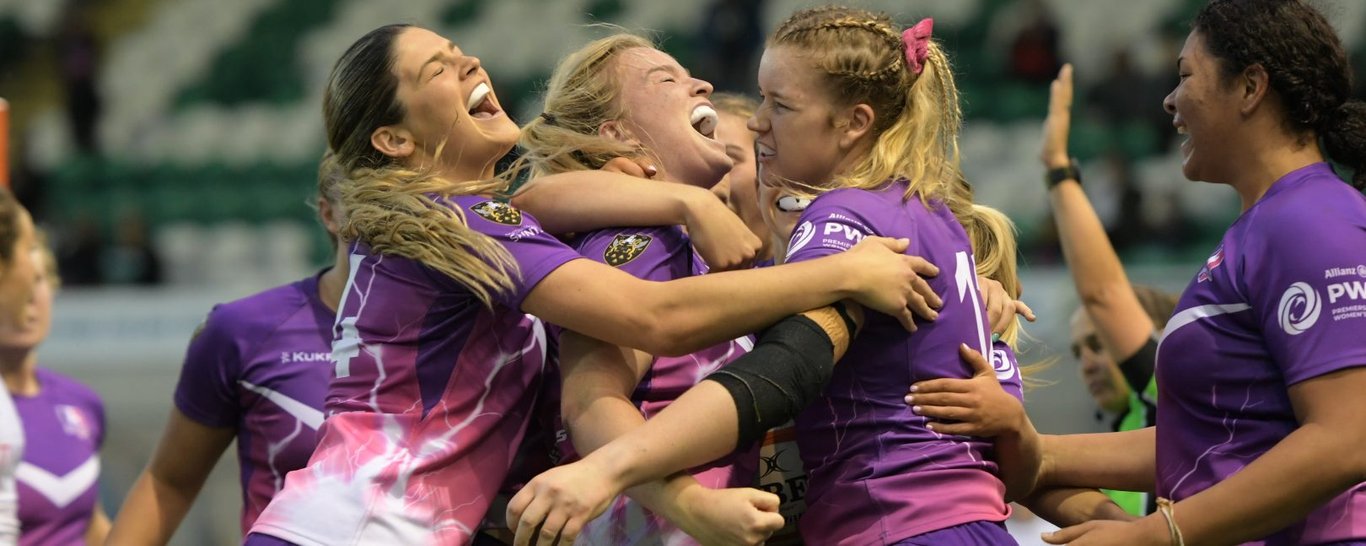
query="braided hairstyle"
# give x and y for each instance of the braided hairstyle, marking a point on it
(1305, 63)
(917, 117)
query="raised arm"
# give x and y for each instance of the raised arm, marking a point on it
(1104, 289)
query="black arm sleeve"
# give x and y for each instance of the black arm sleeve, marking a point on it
(789, 366)
(1138, 368)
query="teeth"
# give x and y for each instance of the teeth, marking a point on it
(704, 119)
(478, 96)
(1181, 130)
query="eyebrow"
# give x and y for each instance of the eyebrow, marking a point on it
(450, 47)
(662, 68)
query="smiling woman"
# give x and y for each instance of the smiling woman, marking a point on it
(438, 366)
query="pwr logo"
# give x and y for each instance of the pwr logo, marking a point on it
(1355, 290)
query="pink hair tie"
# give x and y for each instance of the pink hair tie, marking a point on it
(917, 40)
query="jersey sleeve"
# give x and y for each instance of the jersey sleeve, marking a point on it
(833, 223)
(536, 252)
(1007, 367)
(647, 253)
(1308, 291)
(207, 389)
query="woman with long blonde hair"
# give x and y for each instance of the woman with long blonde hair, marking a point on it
(864, 118)
(437, 363)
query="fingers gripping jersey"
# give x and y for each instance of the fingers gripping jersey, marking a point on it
(876, 473)
(1282, 300)
(431, 395)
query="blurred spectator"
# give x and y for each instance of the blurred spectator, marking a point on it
(131, 259)
(78, 56)
(1128, 225)
(1034, 54)
(79, 256)
(730, 37)
(1128, 95)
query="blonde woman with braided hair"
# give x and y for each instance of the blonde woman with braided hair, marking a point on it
(437, 365)
(864, 118)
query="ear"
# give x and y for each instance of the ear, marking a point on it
(617, 130)
(1254, 84)
(854, 123)
(393, 141)
(328, 214)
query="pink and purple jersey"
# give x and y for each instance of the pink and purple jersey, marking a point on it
(430, 398)
(59, 476)
(876, 474)
(663, 254)
(260, 365)
(1282, 300)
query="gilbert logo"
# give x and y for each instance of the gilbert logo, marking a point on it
(1299, 308)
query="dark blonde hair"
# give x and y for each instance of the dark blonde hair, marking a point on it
(994, 249)
(734, 104)
(584, 93)
(391, 207)
(917, 118)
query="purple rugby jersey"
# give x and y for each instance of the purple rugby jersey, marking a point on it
(876, 474)
(1282, 300)
(662, 254)
(261, 365)
(431, 396)
(58, 478)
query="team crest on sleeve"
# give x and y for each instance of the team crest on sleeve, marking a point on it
(625, 248)
(75, 422)
(1299, 308)
(801, 237)
(1215, 260)
(501, 213)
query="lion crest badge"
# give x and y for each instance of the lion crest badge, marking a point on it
(625, 248)
(502, 213)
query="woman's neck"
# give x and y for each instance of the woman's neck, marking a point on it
(18, 368)
(1269, 161)
(333, 281)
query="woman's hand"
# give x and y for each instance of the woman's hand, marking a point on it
(977, 406)
(741, 516)
(557, 503)
(1059, 122)
(891, 282)
(1001, 305)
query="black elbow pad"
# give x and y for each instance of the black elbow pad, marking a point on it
(788, 368)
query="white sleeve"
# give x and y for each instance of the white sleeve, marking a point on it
(11, 452)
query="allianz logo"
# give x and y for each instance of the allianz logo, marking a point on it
(1333, 273)
(305, 356)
